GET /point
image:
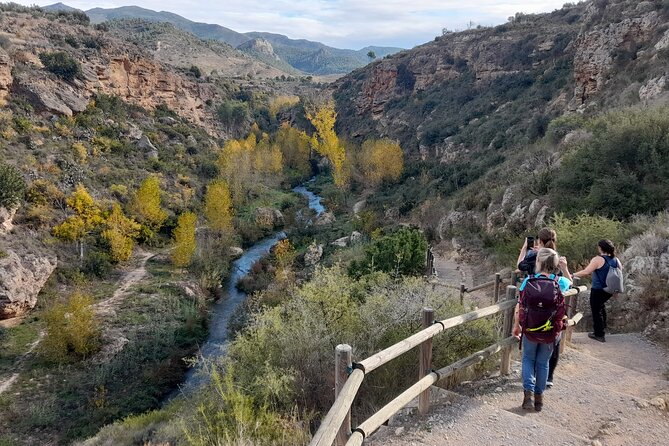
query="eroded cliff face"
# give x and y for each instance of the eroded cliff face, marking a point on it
(21, 279)
(114, 68)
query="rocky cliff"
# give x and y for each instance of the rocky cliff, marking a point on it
(108, 65)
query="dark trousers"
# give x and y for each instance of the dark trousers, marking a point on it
(598, 300)
(552, 363)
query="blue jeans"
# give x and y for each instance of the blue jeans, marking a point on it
(535, 365)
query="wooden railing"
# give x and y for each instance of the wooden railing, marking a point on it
(497, 283)
(336, 426)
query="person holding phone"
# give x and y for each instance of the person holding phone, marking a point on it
(527, 259)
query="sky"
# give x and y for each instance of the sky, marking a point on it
(339, 23)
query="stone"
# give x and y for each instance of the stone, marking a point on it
(146, 144)
(399, 431)
(235, 251)
(135, 133)
(6, 219)
(269, 217)
(663, 42)
(167, 120)
(21, 279)
(356, 238)
(341, 242)
(659, 403)
(325, 219)
(652, 89)
(313, 255)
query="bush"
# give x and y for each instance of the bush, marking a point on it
(97, 264)
(401, 253)
(577, 238)
(12, 186)
(195, 71)
(71, 330)
(61, 64)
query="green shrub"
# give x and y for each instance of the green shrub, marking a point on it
(12, 186)
(61, 64)
(400, 253)
(22, 125)
(97, 264)
(577, 237)
(195, 71)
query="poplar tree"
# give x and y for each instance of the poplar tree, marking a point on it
(184, 240)
(146, 205)
(326, 142)
(218, 206)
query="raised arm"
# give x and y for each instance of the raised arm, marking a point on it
(523, 253)
(516, 321)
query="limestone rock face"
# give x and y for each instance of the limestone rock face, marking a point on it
(21, 279)
(652, 89)
(268, 217)
(313, 254)
(5, 74)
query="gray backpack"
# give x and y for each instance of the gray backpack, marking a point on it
(614, 278)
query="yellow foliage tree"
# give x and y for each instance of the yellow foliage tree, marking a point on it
(236, 165)
(87, 216)
(326, 142)
(267, 159)
(146, 205)
(120, 234)
(71, 329)
(280, 103)
(294, 145)
(218, 206)
(381, 160)
(284, 254)
(184, 240)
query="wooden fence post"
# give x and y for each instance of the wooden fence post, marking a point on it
(514, 278)
(505, 363)
(572, 309)
(498, 283)
(566, 337)
(425, 361)
(463, 290)
(343, 363)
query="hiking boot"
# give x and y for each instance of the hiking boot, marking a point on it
(538, 402)
(596, 338)
(527, 400)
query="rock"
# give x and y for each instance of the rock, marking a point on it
(21, 279)
(399, 431)
(51, 94)
(135, 133)
(313, 255)
(191, 141)
(641, 404)
(6, 219)
(663, 42)
(355, 238)
(167, 120)
(540, 219)
(658, 402)
(235, 251)
(652, 89)
(146, 144)
(325, 219)
(268, 217)
(341, 242)
(6, 79)
(596, 443)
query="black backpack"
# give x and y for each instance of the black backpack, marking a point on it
(542, 309)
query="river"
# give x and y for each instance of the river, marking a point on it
(217, 342)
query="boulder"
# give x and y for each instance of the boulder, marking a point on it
(325, 219)
(341, 242)
(21, 279)
(269, 217)
(313, 255)
(355, 238)
(146, 144)
(652, 89)
(6, 219)
(235, 251)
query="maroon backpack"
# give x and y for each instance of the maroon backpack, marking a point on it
(541, 309)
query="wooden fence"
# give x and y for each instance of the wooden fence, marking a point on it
(336, 426)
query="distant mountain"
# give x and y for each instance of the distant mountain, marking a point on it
(299, 54)
(318, 58)
(202, 30)
(59, 7)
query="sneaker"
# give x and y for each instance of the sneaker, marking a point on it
(549, 384)
(596, 338)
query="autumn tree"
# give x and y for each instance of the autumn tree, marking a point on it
(284, 255)
(218, 206)
(325, 142)
(235, 163)
(87, 216)
(381, 160)
(267, 160)
(120, 234)
(146, 206)
(184, 240)
(294, 145)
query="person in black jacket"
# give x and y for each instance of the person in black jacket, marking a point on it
(547, 238)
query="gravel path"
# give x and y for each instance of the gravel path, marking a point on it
(605, 394)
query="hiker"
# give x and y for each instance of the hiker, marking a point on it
(600, 292)
(538, 319)
(547, 238)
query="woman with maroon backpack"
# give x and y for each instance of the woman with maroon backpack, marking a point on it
(539, 318)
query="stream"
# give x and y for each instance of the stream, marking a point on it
(217, 342)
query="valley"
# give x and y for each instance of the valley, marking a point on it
(193, 218)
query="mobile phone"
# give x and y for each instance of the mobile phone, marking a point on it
(530, 242)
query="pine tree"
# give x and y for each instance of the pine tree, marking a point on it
(218, 206)
(184, 240)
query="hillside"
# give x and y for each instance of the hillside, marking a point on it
(173, 46)
(202, 30)
(303, 55)
(476, 109)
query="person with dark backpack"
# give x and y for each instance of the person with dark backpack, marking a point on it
(539, 319)
(607, 280)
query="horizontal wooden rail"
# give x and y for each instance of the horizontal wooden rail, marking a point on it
(375, 421)
(481, 286)
(392, 352)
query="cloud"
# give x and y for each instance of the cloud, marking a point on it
(343, 23)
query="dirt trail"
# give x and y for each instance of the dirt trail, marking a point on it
(7, 383)
(605, 394)
(129, 279)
